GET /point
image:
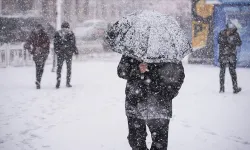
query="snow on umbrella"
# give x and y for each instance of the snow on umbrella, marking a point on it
(149, 36)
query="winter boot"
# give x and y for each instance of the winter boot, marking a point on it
(68, 85)
(58, 85)
(53, 70)
(222, 89)
(38, 86)
(237, 90)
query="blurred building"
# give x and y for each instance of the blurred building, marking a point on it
(28, 8)
(76, 11)
(72, 10)
(202, 38)
(209, 18)
(238, 13)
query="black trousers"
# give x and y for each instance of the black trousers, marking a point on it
(60, 59)
(232, 71)
(39, 62)
(137, 133)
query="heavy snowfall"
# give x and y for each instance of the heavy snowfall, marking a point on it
(91, 115)
(87, 105)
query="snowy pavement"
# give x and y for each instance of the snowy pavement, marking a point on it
(91, 115)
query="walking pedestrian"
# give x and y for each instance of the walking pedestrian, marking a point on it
(228, 40)
(38, 44)
(65, 47)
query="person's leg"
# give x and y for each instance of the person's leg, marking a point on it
(137, 133)
(232, 70)
(69, 67)
(37, 74)
(41, 67)
(159, 132)
(54, 62)
(36, 64)
(60, 60)
(222, 77)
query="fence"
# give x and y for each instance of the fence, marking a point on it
(15, 55)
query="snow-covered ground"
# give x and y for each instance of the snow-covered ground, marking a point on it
(91, 116)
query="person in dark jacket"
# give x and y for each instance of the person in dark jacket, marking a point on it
(228, 39)
(38, 44)
(149, 92)
(65, 47)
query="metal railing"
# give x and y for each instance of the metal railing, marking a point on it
(16, 56)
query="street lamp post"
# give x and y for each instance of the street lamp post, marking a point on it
(95, 10)
(0, 7)
(58, 27)
(58, 14)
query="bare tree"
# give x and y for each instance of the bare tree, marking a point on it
(86, 7)
(112, 7)
(0, 7)
(77, 8)
(15, 6)
(45, 7)
(24, 5)
(104, 9)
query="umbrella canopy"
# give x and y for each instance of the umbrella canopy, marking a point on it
(149, 36)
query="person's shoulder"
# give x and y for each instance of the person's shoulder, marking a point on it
(33, 32)
(71, 32)
(45, 32)
(67, 31)
(222, 32)
(57, 33)
(237, 33)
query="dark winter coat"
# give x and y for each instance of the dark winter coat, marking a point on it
(149, 95)
(65, 42)
(38, 44)
(228, 45)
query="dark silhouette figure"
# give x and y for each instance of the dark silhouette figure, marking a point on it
(38, 44)
(228, 39)
(149, 92)
(65, 47)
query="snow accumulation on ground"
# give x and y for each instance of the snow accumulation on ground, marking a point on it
(91, 115)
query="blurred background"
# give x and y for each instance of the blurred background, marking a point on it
(202, 20)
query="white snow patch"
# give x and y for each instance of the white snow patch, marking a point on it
(91, 114)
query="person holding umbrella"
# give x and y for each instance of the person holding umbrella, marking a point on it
(151, 64)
